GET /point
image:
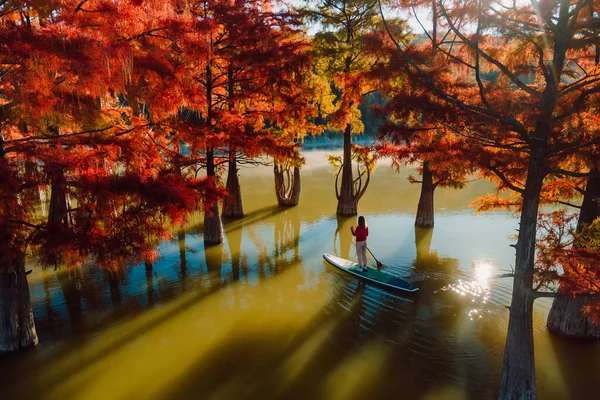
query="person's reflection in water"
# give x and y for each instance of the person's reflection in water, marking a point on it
(345, 237)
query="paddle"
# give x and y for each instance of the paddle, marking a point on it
(379, 264)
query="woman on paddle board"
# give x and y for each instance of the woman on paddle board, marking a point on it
(361, 232)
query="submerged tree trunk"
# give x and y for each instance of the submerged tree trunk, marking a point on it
(566, 317)
(425, 213)
(232, 205)
(347, 202)
(423, 237)
(518, 372)
(287, 185)
(17, 326)
(213, 228)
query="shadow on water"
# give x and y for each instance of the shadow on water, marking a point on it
(572, 355)
(359, 341)
(365, 341)
(243, 368)
(28, 374)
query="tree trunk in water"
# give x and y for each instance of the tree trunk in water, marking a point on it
(287, 186)
(17, 326)
(518, 372)
(425, 208)
(347, 204)
(213, 228)
(232, 205)
(566, 316)
(423, 237)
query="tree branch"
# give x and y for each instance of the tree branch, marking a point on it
(568, 204)
(25, 223)
(515, 79)
(516, 125)
(552, 295)
(505, 180)
(500, 276)
(81, 3)
(559, 171)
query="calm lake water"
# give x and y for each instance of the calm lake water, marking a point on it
(264, 317)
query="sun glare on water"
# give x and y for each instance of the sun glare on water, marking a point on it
(477, 288)
(482, 272)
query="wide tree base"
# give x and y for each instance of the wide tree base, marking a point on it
(347, 209)
(425, 224)
(17, 326)
(287, 185)
(566, 318)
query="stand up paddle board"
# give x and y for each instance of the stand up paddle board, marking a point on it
(371, 274)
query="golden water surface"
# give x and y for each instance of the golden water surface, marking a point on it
(264, 317)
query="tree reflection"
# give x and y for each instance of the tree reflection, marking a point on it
(182, 258)
(287, 235)
(239, 264)
(343, 234)
(113, 279)
(213, 256)
(149, 283)
(70, 280)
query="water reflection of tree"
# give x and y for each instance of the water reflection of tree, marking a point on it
(287, 235)
(343, 234)
(239, 262)
(113, 278)
(51, 315)
(265, 264)
(213, 256)
(149, 283)
(182, 258)
(70, 281)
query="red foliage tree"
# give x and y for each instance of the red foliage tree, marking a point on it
(525, 119)
(63, 126)
(249, 94)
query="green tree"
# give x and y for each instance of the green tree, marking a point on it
(344, 57)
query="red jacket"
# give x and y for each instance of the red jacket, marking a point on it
(360, 233)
